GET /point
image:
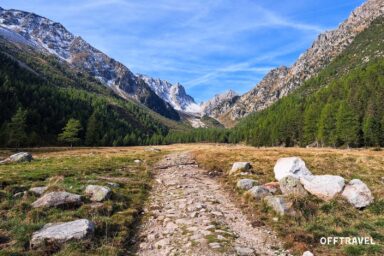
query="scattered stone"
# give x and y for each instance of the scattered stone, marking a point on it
(272, 187)
(244, 251)
(280, 205)
(307, 253)
(137, 161)
(246, 184)
(19, 157)
(54, 199)
(239, 166)
(98, 193)
(38, 190)
(19, 194)
(293, 166)
(62, 232)
(215, 245)
(259, 192)
(113, 185)
(357, 193)
(291, 185)
(325, 187)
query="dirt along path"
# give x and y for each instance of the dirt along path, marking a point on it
(189, 213)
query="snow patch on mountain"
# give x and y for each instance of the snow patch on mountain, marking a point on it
(174, 94)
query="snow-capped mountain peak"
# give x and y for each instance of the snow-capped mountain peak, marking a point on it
(174, 94)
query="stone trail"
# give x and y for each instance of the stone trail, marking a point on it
(189, 213)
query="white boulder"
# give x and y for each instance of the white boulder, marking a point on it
(290, 166)
(98, 193)
(357, 193)
(19, 157)
(307, 253)
(239, 166)
(62, 232)
(325, 187)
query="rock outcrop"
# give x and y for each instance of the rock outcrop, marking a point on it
(55, 199)
(59, 233)
(357, 193)
(290, 166)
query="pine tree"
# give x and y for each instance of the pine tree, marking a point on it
(347, 125)
(16, 129)
(326, 132)
(71, 132)
(92, 135)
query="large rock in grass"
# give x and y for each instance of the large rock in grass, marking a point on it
(258, 192)
(59, 233)
(55, 199)
(19, 157)
(246, 184)
(325, 187)
(98, 193)
(291, 185)
(240, 166)
(357, 193)
(290, 166)
(280, 205)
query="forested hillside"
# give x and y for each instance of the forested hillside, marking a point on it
(37, 103)
(342, 106)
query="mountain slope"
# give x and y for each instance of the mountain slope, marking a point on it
(280, 82)
(343, 105)
(49, 92)
(52, 38)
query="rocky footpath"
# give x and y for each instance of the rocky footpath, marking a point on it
(189, 213)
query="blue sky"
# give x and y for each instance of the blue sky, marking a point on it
(209, 46)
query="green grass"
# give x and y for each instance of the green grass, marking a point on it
(115, 220)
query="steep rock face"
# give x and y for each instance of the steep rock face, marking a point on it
(219, 104)
(53, 38)
(281, 81)
(173, 94)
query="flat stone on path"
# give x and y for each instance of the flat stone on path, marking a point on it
(62, 232)
(54, 199)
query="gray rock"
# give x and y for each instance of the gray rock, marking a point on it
(244, 251)
(113, 185)
(280, 205)
(307, 253)
(98, 193)
(215, 245)
(38, 190)
(272, 187)
(290, 166)
(62, 232)
(54, 199)
(325, 187)
(357, 193)
(19, 157)
(259, 192)
(246, 184)
(239, 166)
(290, 185)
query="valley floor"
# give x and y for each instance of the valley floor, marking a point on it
(180, 200)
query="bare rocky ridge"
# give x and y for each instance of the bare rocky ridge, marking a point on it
(190, 214)
(281, 81)
(53, 38)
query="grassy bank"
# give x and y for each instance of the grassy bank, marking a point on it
(71, 171)
(316, 218)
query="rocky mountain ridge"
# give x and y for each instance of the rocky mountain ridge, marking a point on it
(281, 81)
(53, 38)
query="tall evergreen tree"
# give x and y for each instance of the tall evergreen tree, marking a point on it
(71, 132)
(347, 125)
(17, 135)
